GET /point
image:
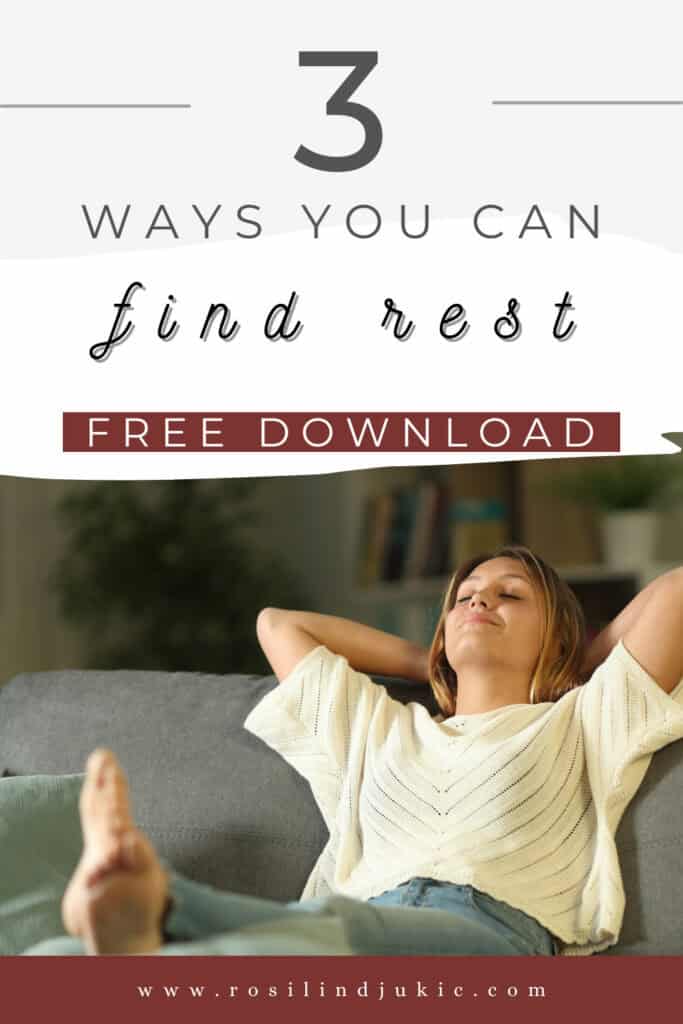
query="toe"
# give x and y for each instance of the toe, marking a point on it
(99, 757)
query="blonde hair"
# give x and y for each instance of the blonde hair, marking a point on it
(559, 663)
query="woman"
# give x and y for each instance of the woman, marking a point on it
(487, 830)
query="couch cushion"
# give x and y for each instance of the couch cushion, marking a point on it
(218, 804)
(650, 844)
(224, 809)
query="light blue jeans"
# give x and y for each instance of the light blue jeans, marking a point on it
(421, 917)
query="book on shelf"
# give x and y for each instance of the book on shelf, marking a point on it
(404, 534)
(437, 562)
(423, 531)
(400, 532)
(476, 525)
(377, 518)
(420, 540)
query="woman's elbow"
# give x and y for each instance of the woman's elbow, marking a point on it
(264, 621)
(672, 584)
(268, 620)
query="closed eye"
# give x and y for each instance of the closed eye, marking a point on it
(468, 597)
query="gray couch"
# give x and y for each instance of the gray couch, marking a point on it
(224, 809)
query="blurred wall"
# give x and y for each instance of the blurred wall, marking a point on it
(32, 635)
(301, 517)
(313, 521)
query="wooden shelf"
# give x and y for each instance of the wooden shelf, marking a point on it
(428, 589)
(597, 572)
(535, 515)
(403, 590)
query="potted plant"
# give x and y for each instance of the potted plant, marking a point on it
(169, 574)
(627, 491)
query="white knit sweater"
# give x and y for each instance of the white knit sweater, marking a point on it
(522, 802)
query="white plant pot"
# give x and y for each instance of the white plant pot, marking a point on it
(629, 538)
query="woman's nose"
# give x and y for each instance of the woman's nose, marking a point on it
(478, 598)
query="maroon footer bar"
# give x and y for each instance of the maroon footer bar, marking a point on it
(341, 431)
(502, 989)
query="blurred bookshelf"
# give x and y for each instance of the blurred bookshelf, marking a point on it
(417, 528)
(412, 527)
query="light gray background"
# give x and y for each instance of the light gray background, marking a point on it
(441, 66)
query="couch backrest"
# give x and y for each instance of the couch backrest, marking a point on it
(219, 805)
(224, 809)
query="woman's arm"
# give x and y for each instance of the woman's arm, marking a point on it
(651, 628)
(287, 636)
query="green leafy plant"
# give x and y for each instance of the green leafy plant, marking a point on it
(168, 575)
(623, 482)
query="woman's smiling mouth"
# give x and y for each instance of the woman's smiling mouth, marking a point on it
(480, 618)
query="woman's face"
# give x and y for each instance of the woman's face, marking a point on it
(497, 616)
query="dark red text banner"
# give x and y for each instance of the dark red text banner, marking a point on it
(537, 432)
(506, 990)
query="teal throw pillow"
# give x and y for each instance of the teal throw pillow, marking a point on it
(40, 845)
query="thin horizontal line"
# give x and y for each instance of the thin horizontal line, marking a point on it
(95, 106)
(587, 103)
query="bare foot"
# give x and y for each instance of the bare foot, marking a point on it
(117, 894)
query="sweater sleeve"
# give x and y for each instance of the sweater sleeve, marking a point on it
(626, 716)
(318, 719)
